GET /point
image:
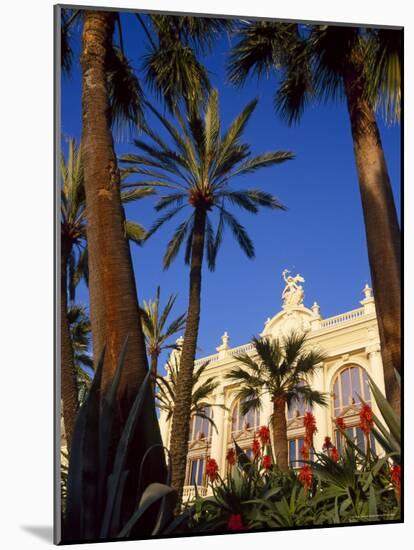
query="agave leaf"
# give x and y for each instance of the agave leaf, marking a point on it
(106, 422)
(152, 494)
(121, 454)
(80, 463)
(116, 518)
(242, 457)
(372, 501)
(388, 414)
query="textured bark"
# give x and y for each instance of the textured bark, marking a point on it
(69, 388)
(280, 441)
(154, 369)
(113, 296)
(182, 406)
(381, 226)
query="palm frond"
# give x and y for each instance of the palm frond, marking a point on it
(125, 93)
(174, 245)
(135, 232)
(239, 233)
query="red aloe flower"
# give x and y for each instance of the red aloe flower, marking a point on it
(366, 419)
(327, 443)
(340, 422)
(211, 469)
(256, 447)
(396, 478)
(235, 523)
(304, 451)
(264, 435)
(310, 427)
(333, 453)
(305, 476)
(267, 462)
(231, 457)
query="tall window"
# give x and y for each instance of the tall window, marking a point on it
(200, 428)
(195, 471)
(294, 448)
(351, 384)
(239, 421)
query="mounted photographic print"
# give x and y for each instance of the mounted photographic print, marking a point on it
(228, 350)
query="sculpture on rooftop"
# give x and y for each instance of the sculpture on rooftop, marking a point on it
(293, 293)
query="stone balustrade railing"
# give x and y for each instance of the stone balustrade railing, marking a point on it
(330, 322)
(343, 318)
(189, 492)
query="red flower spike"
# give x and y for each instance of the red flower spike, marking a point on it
(304, 452)
(256, 447)
(340, 422)
(211, 469)
(267, 462)
(366, 419)
(310, 428)
(235, 523)
(305, 476)
(264, 435)
(333, 453)
(231, 457)
(396, 478)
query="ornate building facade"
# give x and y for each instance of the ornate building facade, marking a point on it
(351, 345)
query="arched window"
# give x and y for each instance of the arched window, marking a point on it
(200, 428)
(350, 384)
(242, 422)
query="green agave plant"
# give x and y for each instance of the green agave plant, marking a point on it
(106, 497)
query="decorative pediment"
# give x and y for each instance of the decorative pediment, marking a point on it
(200, 443)
(291, 318)
(351, 410)
(295, 423)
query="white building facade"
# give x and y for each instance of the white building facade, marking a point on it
(351, 345)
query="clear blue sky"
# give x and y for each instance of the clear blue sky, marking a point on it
(321, 235)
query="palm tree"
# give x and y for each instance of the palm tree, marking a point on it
(171, 67)
(321, 62)
(283, 370)
(156, 330)
(72, 239)
(198, 171)
(80, 330)
(111, 95)
(74, 260)
(201, 391)
(112, 287)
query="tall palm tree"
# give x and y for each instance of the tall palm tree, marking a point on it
(326, 62)
(198, 170)
(283, 370)
(201, 391)
(112, 288)
(111, 95)
(72, 241)
(156, 330)
(80, 330)
(74, 255)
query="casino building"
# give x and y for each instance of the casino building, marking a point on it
(351, 344)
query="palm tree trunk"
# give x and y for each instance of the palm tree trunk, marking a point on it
(381, 226)
(280, 441)
(154, 369)
(69, 387)
(182, 406)
(113, 296)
